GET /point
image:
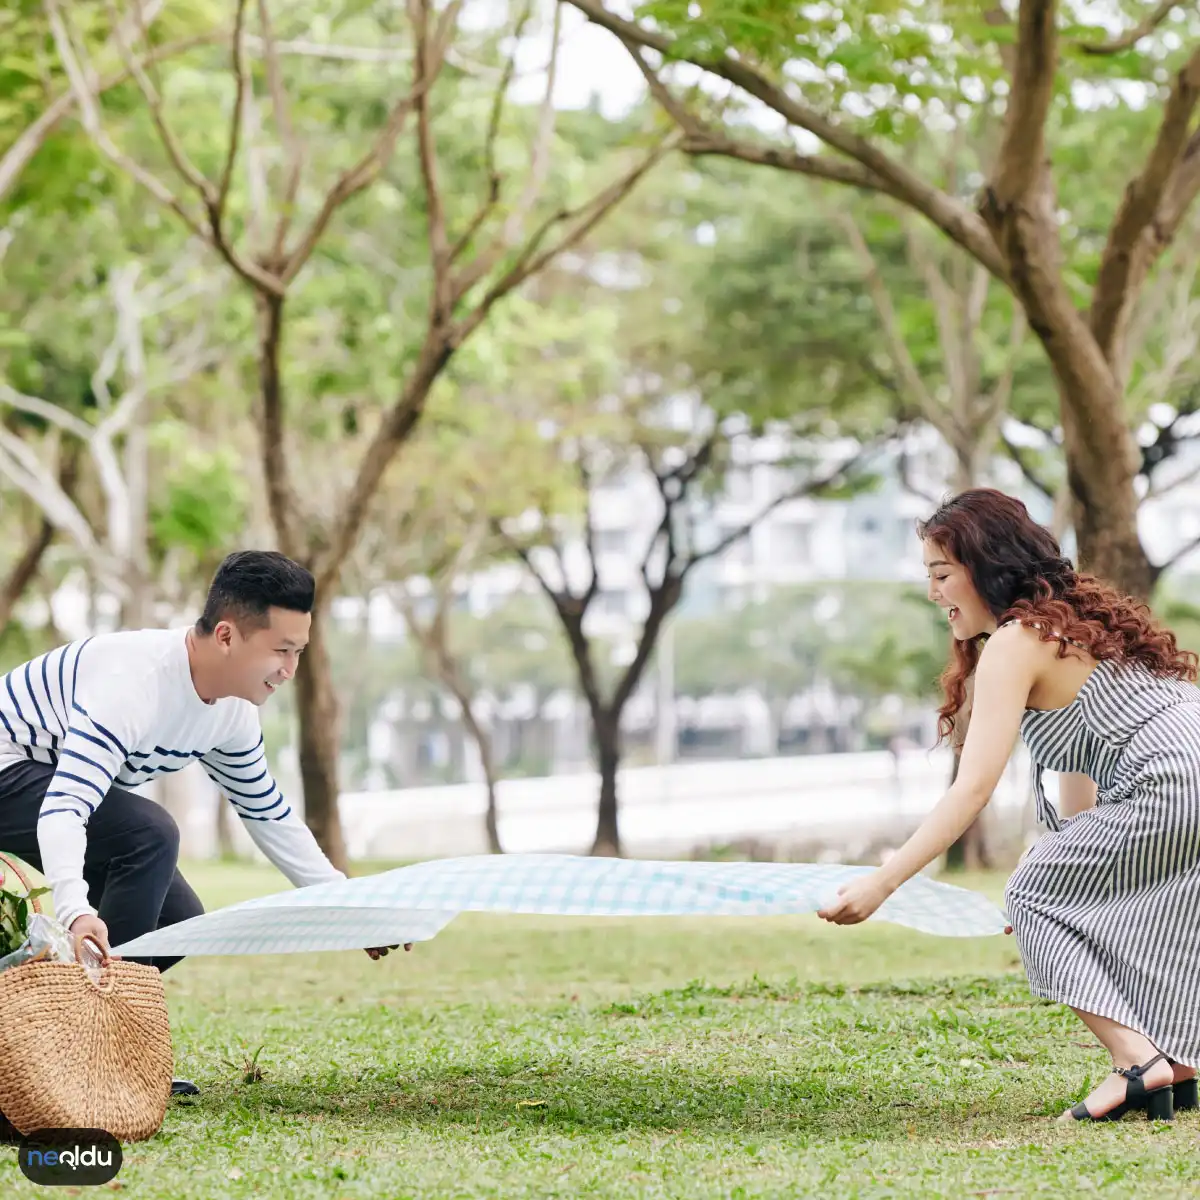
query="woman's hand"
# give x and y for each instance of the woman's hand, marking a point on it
(857, 900)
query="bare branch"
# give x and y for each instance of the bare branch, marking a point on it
(51, 413)
(90, 117)
(489, 145)
(1131, 37)
(367, 169)
(20, 465)
(1183, 551)
(589, 534)
(808, 488)
(175, 152)
(1124, 263)
(1155, 491)
(1022, 158)
(1020, 455)
(816, 166)
(585, 217)
(881, 298)
(997, 404)
(539, 155)
(293, 152)
(238, 119)
(439, 245)
(948, 213)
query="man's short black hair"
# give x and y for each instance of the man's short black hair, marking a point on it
(251, 582)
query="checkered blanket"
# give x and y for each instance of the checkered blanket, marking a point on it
(414, 903)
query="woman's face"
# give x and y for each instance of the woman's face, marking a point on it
(951, 589)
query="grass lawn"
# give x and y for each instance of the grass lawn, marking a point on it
(526, 1056)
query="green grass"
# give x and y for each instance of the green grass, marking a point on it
(532, 1057)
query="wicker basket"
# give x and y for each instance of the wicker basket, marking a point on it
(81, 1055)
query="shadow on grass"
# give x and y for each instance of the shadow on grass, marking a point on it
(655, 1096)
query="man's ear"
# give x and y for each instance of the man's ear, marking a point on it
(223, 634)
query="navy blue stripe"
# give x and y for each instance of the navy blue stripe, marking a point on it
(62, 683)
(259, 808)
(157, 769)
(239, 753)
(11, 734)
(91, 762)
(17, 709)
(75, 671)
(225, 774)
(101, 792)
(36, 705)
(49, 812)
(112, 737)
(88, 737)
(170, 753)
(281, 817)
(251, 795)
(49, 697)
(70, 796)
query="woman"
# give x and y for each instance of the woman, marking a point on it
(1106, 906)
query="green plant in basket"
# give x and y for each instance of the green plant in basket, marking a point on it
(15, 908)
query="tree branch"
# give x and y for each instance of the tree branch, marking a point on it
(1019, 455)
(1183, 551)
(808, 488)
(1131, 37)
(293, 151)
(924, 400)
(439, 245)
(1022, 158)
(949, 214)
(1126, 260)
(238, 119)
(586, 217)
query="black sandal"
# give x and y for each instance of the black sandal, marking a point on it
(1158, 1104)
(1187, 1093)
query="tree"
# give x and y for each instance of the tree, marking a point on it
(900, 74)
(114, 431)
(480, 243)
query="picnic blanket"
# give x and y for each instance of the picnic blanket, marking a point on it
(413, 904)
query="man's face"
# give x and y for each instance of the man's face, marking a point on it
(260, 660)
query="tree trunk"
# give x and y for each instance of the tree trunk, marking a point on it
(1101, 452)
(25, 569)
(487, 760)
(318, 711)
(224, 828)
(608, 755)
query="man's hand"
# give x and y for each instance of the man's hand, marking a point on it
(856, 900)
(90, 928)
(378, 952)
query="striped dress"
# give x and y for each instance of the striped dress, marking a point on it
(1106, 906)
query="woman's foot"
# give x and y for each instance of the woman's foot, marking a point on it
(1115, 1089)
(1182, 1072)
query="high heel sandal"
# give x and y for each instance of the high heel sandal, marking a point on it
(1187, 1094)
(1158, 1104)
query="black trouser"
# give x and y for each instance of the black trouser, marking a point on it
(130, 862)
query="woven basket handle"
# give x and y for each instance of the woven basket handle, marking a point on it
(34, 902)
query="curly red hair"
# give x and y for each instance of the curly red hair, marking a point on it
(1020, 574)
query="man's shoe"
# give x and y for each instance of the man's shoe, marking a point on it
(184, 1087)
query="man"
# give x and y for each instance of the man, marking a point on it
(83, 723)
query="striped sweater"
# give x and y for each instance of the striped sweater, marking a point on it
(121, 708)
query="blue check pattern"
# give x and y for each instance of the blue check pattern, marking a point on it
(412, 904)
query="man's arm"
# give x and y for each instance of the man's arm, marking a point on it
(240, 770)
(104, 724)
